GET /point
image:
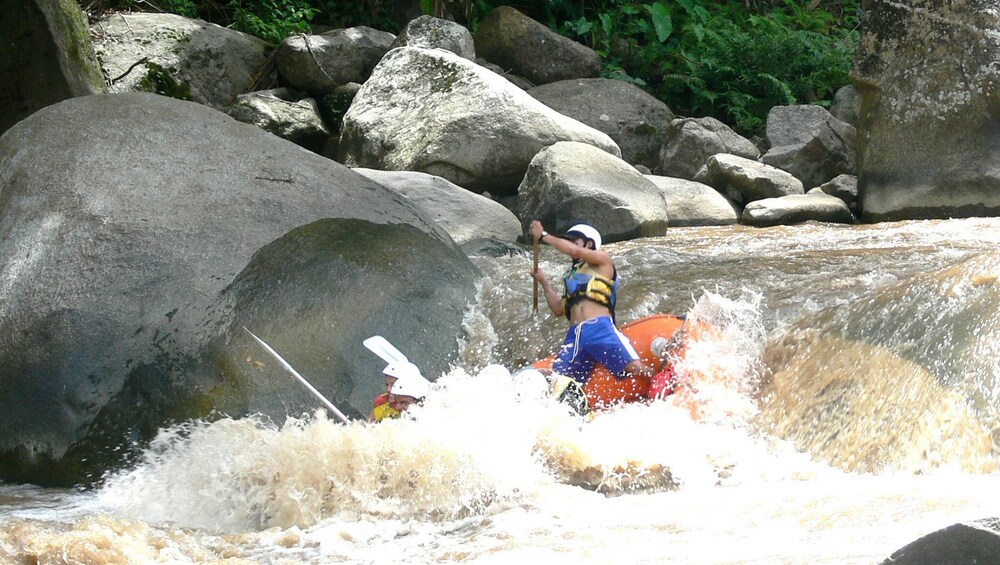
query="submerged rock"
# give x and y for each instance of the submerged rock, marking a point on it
(975, 542)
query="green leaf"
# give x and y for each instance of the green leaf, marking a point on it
(606, 24)
(661, 20)
(582, 26)
(699, 31)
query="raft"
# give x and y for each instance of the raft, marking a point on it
(604, 391)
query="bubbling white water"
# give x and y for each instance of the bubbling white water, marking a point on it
(480, 444)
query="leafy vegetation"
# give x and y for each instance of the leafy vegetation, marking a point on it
(723, 59)
(729, 59)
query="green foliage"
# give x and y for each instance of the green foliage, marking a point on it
(272, 20)
(720, 59)
(730, 59)
(185, 8)
(349, 13)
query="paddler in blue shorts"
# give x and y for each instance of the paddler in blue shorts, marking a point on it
(588, 302)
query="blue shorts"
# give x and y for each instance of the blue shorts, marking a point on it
(594, 341)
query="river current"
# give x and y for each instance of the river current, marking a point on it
(757, 467)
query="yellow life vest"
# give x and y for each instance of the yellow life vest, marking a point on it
(582, 281)
(383, 411)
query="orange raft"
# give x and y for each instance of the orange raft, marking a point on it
(603, 390)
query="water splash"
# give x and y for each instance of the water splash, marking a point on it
(721, 366)
(480, 443)
(468, 448)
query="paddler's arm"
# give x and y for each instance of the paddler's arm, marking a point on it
(599, 260)
(552, 298)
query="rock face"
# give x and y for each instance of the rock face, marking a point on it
(527, 48)
(432, 111)
(209, 63)
(569, 183)
(47, 57)
(135, 251)
(927, 129)
(634, 119)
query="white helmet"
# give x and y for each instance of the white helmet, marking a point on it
(401, 370)
(584, 231)
(413, 385)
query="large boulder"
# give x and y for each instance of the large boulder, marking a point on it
(464, 215)
(47, 57)
(930, 101)
(529, 49)
(744, 180)
(807, 141)
(182, 57)
(691, 203)
(133, 252)
(634, 119)
(568, 183)
(797, 208)
(691, 141)
(432, 111)
(314, 294)
(844, 187)
(319, 64)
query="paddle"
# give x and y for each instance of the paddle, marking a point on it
(340, 415)
(381, 347)
(534, 307)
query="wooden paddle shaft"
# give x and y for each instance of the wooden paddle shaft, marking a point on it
(535, 303)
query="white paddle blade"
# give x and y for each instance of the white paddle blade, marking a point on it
(381, 347)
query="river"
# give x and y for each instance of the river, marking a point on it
(487, 473)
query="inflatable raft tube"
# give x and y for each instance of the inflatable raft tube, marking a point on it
(603, 390)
